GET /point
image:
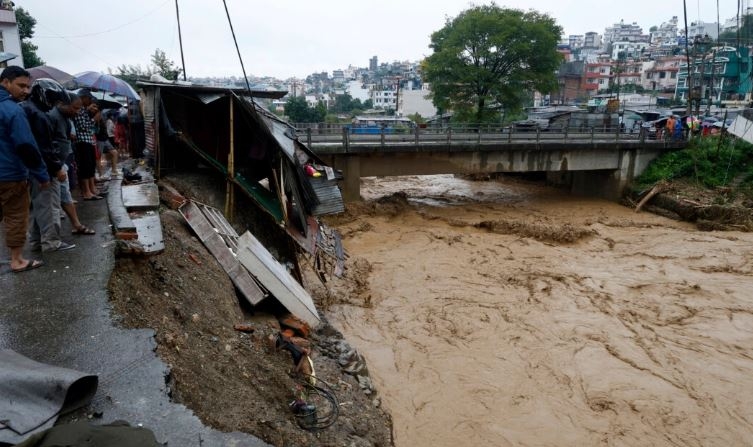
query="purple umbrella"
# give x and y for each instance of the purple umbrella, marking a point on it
(45, 71)
(105, 82)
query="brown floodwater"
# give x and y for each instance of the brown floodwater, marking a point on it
(506, 313)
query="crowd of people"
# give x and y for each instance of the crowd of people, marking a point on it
(51, 142)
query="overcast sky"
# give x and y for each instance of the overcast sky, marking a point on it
(293, 38)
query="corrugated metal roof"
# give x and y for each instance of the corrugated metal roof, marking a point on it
(272, 94)
(329, 196)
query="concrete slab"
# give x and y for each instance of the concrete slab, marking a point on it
(140, 197)
(275, 278)
(121, 221)
(149, 230)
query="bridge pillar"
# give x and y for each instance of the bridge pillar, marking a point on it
(611, 184)
(351, 185)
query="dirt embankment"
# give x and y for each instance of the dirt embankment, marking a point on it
(721, 209)
(236, 381)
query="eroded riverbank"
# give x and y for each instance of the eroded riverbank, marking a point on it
(504, 313)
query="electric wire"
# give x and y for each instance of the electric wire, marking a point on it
(109, 30)
(232, 31)
(318, 418)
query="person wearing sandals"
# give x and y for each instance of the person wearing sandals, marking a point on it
(61, 131)
(44, 228)
(19, 159)
(86, 158)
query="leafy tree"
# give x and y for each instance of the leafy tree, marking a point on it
(417, 118)
(489, 57)
(160, 65)
(297, 110)
(26, 24)
(746, 32)
(343, 103)
(164, 66)
(368, 104)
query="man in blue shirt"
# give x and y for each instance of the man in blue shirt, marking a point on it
(19, 158)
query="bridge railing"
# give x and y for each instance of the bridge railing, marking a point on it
(347, 135)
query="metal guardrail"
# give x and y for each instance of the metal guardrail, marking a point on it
(325, 135)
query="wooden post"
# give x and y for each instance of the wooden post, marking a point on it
(230, 192)
(308, 138)
(416, 130)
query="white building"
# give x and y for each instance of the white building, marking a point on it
(592, 40)
(666, 33)
(10, 41)
(628, 49)
(624, 32)
(384, 98)
(357, 90)
(701, 28)
(416, 101)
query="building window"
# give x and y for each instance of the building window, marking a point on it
(662, 74)
(673, 75)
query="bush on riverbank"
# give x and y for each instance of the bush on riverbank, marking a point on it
(709, 162)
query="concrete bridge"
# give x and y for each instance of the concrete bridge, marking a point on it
(597, 162)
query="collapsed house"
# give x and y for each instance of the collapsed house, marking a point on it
(260, 156)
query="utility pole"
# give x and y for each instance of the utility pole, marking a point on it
(180, 40)
(689, 76)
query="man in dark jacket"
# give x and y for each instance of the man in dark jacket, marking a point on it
(19, 158)
(44, 231)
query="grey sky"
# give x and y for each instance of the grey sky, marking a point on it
(285, 38)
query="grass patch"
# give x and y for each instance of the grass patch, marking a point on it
(708, 162)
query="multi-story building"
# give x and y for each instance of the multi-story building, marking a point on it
(661, 74)
(575, 41)
(627, 72)
(624, 32)
(597, 76)
(628, 49)
(723, 75)
(373, 64)
(666, 33)
(592, 40)
(701, 28)
(10, 41)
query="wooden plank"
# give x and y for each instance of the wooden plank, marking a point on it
(149, 230)
(141, 197)
(119, 217)
(275, 278)
(219, 249)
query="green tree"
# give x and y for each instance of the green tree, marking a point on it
(297, 110)
(26, 24)
(164, 66)
(490, 57)
(745, 32)
(343, 103)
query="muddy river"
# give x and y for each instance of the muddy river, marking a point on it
(506, 313)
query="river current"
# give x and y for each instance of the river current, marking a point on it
(503, 313)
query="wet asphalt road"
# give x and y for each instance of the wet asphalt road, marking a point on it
(59, 314)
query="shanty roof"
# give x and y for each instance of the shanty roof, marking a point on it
(198, 89)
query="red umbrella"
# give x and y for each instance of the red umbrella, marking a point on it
(45, 71)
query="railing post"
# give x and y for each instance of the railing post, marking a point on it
(478, 137)
(449, 135)
(381, 132)
(346, 139)
(416, 130)
(538, 135)
(308, 137)
(567, 128)
(617, 134)
(509, 133)
(642, 135)
(592, 135)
